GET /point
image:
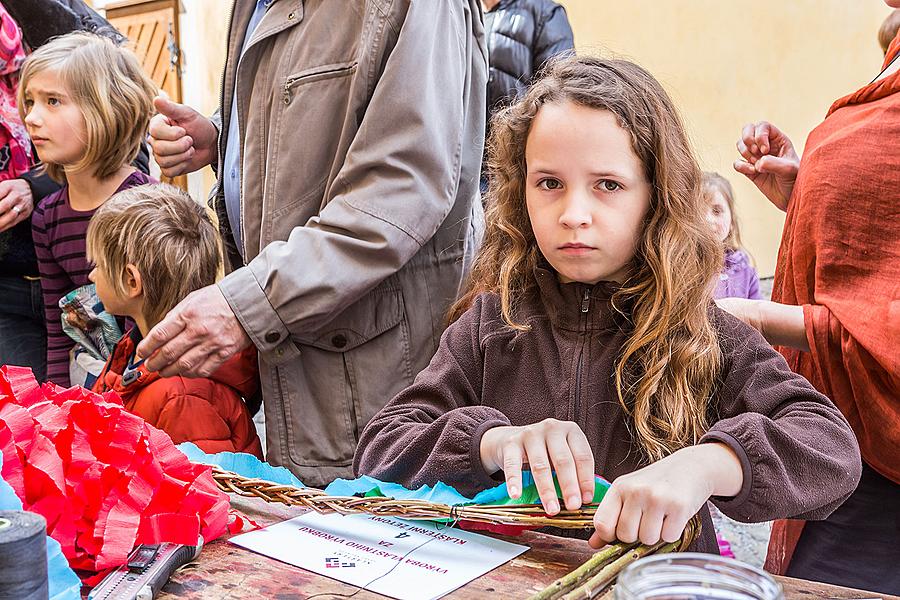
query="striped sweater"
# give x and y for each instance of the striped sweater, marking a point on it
(59, 242)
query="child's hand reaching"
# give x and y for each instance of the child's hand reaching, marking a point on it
(546, 447)
(656, 502)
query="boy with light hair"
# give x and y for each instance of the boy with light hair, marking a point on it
(151, 246)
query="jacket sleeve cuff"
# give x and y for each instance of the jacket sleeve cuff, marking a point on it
(736, 502)
(216, 120)
(484, 479)
(258, 318)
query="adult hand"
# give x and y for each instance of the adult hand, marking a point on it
(195, 338)
(769, 160)
(16, 202)
(656, 502)
(182, 139)
(546, 446)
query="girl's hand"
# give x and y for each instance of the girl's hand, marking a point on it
(546, 446)
(656, 502)
(769, 160)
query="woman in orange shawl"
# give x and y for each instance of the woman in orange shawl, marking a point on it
(835, 314)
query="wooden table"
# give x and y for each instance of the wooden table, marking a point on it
(227, 572)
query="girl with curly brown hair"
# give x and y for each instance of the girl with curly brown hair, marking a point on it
(588, 337)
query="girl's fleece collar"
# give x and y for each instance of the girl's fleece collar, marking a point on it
(577, 306)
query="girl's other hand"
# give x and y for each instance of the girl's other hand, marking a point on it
(769, 160)
(546, 447)
(656, 502)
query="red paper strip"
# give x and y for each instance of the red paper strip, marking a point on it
(103, 478)
(240, 523)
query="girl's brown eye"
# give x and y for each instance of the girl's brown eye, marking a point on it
(549, 184)
(610, 186)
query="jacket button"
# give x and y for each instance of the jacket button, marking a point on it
(339, 341)
(272, 337)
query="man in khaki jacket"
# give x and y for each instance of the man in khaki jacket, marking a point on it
(348, 154)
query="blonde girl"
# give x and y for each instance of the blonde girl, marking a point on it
(86, 104)
(588, 340)
(738, 278)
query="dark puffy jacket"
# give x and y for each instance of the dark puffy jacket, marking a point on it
(521, 36)
(41, 20)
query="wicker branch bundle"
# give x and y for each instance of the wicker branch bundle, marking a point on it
(531, 515)
(596, 575)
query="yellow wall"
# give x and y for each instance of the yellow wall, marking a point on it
(727, 62)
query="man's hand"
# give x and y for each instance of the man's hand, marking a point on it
(16, 202)
(195, 338)
(182, 139)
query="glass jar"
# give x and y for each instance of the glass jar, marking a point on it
(695, 576)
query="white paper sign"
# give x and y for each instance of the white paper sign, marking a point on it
(409, 560)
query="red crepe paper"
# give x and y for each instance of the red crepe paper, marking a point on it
(104, 479)
(241, 523)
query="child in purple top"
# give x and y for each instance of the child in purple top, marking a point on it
(738, 278)
(86, 104)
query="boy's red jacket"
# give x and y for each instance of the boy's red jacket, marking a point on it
(209, 411)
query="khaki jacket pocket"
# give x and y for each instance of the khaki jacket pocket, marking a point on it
(305, 140)
(336, 366)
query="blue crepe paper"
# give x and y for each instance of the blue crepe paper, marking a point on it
(245, 465)
(64, 583)
(439, 494)
(248, 465)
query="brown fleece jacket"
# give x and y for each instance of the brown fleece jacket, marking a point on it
(800, 458)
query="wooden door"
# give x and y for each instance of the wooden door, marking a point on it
(152, 28)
